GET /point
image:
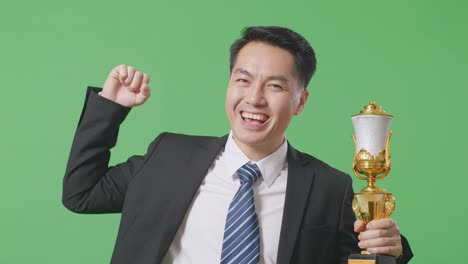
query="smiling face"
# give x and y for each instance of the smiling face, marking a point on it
(263, 95)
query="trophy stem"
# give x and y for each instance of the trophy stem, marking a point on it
(371, 187)
(371, 182)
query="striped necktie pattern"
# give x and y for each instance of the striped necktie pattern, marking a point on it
(241, 242)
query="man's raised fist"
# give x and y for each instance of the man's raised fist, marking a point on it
(126, 86)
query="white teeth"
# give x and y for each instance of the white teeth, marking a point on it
(254, 116)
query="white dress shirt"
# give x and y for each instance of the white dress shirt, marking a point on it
(200, 236)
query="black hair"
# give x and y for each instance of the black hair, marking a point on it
(297, 45)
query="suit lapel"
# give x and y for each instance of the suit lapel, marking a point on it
(191, 175)
(297, 194)
(195, 171)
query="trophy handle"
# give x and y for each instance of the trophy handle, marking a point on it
(354, 140)
(354, 161)
(387, 146)
(388, 161)
(390, 204)
(355, 171)
(356, 209)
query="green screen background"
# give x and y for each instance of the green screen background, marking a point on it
(409, 56)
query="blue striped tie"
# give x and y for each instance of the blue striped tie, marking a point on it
(241, 242)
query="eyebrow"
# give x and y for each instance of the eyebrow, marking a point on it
(269, 78)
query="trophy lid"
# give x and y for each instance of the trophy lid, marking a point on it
(372, 109)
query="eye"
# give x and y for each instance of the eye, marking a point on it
(276, 86)
(241, 80)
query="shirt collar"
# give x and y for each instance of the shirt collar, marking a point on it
(270, 166)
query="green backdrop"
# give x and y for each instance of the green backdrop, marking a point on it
(409, 56)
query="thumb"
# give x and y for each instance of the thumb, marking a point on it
(359, 226)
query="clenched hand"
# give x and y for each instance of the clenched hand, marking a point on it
(126, 86)
(380, 236)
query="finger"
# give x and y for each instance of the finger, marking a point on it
(114, 73)
(383, 223)
(372, 234)
(146, 79)
(113, 82)
(136, 82)
(380, 242)
(130, 73)
(122, 71)
(143, 95)
(359, 226)
(390, 250)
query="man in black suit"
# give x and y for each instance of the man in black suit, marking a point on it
(176, 199)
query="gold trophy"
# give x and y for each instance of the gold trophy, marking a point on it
(371, 163)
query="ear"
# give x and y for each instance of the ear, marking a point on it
(302, 101)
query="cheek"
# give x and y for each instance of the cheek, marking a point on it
(231, 103)
(233, 97)
(284, 106)
(285, 111)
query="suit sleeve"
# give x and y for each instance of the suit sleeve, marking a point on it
(89, 185)
(407, 252)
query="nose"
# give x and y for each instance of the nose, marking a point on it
(255, 95)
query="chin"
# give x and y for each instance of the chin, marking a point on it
(251, 139)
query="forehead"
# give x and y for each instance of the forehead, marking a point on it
(263, 59)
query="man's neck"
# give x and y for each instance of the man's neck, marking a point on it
(258, 152)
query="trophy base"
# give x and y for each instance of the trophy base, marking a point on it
(371, 259)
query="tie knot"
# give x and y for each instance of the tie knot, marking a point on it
(249, 173)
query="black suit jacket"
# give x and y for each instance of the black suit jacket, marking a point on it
(153, 192)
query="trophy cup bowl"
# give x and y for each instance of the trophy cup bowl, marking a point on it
(372, 162)
(371, 206)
